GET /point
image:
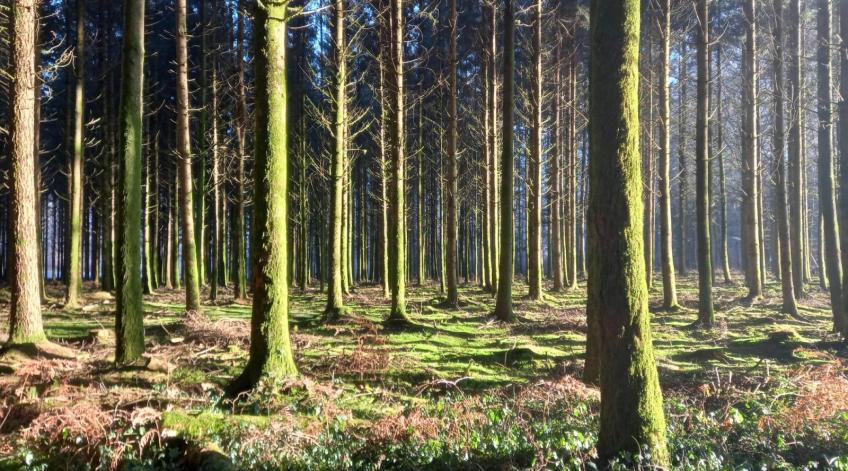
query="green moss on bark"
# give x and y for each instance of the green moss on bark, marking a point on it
(631, 400)
(270, 344)
(129, 328)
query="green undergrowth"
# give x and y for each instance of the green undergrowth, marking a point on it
(457, 390)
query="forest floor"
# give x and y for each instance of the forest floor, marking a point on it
(457, 391)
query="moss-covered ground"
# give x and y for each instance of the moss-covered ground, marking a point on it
(456, 391)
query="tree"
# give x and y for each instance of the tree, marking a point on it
(503, 305)
(786, 269)
(683, 180)
(706, 317)
(750, 166)
(75, 181)
(397, 212)
(129, 314)
(25, 326)
(452, 189)
(239, 245)
(270, 346)
(827, 204)
(631, 400)
(666, 242)
(335, 292)
(190, 264)
(722, 187)
(795, 185)
(556, 174)
(534, 206)
(843, 153)
(492, 81)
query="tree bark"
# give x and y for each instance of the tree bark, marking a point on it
(129, 314)
(335, 293)
(750, 166)
(786, 269)
(706, 316)
(25, 324)
(534, 197)
(239, 245)
(75, 196)
(270, 345)
(397, 215)
(666, 240)
(631, 400)
(503, 305)
(827, 202)
(451, 183)
(189, 255)
(795, 185)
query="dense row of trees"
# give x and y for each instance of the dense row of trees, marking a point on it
(392, 142)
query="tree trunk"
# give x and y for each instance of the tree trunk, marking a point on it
(451, 184)
(494, 227)
(239, 245)
(631, 400)
(270, 344)
(786, 278)
(556, 174)
(201, 185)
(683, 182)
(503, 306)
(534, 207)
(335, 293)
(722, 197)
(706, 317)
(397, 215)
(666, 240)
(217, 183)
(843, 154)
(25, 325)
(129, 315)
(795, 185)
(825, 166)
(190, 263)
(751, 250)
(75, 196)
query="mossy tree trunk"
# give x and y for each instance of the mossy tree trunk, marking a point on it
(555, 182)
(201, 185)
(827, 204)
(722, 187)
(218, 206)
(534, 206)
(631, 400)
(683, 168)
(451, 186)
(397, 213)
(270, 345)
(795, 168)
(666, 240)
(706, 316)
(129, 315)
(384, 164)
(786, 269)
(503, 305)
(25, 325)
(494, 241)
(843, 155)
(751, 250)
(75, 176)
(189, 254)
(335, 291)
(239, 244)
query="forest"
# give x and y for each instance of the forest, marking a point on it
(423, 234)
